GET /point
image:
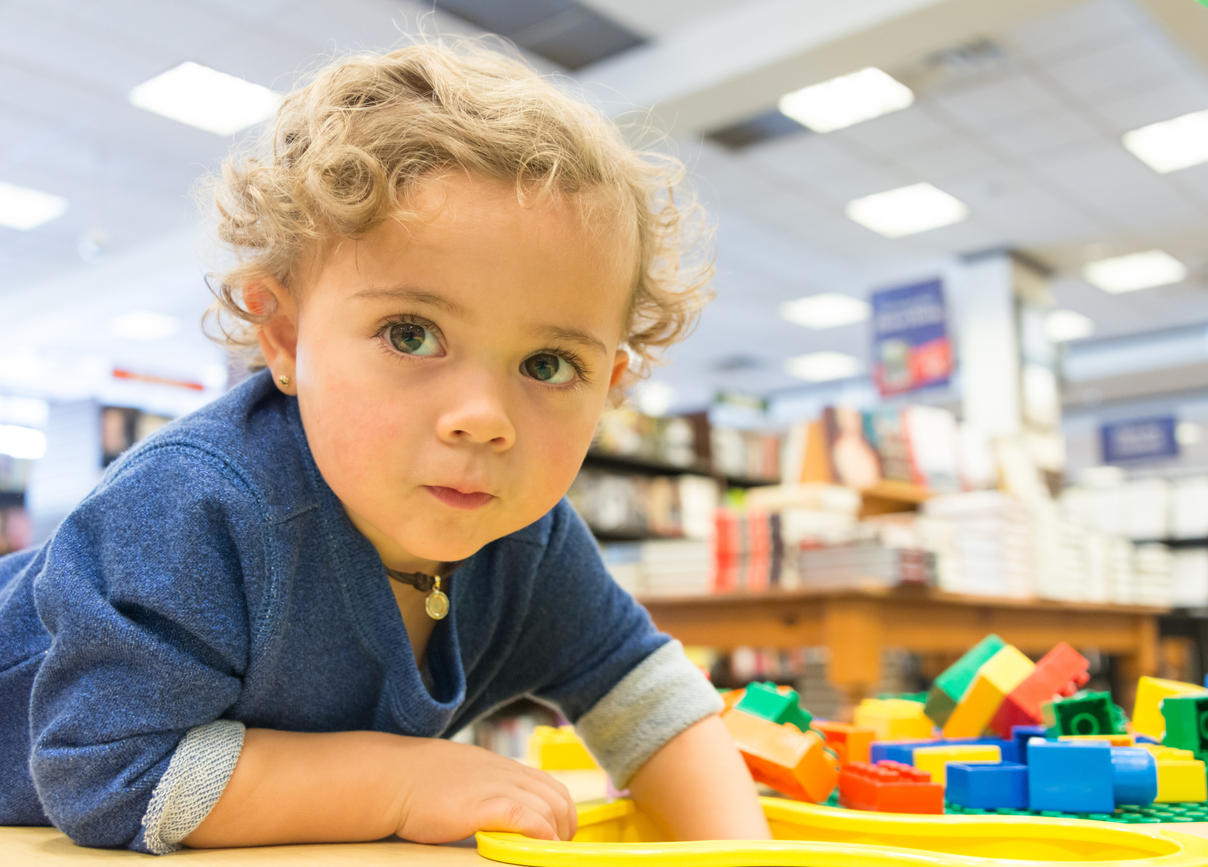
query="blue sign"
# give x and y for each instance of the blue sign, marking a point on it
(911, 348)
(1139, 439)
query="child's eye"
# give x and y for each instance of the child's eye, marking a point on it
(411, 338)
(549, 368)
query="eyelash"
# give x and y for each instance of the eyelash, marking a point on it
(571, 357)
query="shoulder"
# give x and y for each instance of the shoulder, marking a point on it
(247, 445)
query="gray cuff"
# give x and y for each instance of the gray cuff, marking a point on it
(652, 704)
(189, 789)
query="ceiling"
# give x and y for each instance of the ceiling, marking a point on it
(1019, 112)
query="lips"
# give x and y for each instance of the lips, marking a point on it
(459, 500)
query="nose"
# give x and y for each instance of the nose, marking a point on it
(476, 412)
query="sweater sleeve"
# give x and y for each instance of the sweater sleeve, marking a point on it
(142, 595)
(627, 687)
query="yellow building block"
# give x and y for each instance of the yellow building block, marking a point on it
(893, 718)
(559, 749)
(935, 759)
(997, 677)
(1113, 740)
(1181, 780)
(1147, 711)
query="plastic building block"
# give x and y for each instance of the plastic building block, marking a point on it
(1147, 711)
(1181, 776)
(1061, 671)
(1021, 735)
(935, 759)
(1084, 713)
(879, 750)
(893, 718)
(1134, 775)
(995, 680)
(949, 688)
(732, 697)
(559, 749)
(1071, 778)
(851, 743)
(989, 787)
(903, 751)
(791, 762)
(889, 787)
(763, 699)
(1186, 723)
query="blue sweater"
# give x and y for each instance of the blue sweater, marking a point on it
(212, 581)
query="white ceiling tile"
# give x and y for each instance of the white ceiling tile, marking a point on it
(838, 173)
(1043, 133)
(273, 59)
(952, 159)
(1073, 27)
(362, 25)
(1165, 99)
(1127, 61)
(986, 104)
(908, 131)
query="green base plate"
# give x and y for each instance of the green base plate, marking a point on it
(1152, 814)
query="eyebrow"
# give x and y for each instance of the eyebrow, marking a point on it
(418, 296)
(573, 335)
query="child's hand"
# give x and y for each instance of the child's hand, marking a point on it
(452, 790)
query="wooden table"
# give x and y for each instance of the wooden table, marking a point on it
(856, 625)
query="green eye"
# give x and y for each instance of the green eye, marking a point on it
(549, 368)
(411, 338)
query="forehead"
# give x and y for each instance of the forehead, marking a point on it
(463, 234)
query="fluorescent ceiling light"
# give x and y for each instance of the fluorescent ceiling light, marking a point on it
(1188, 433)
(907, 210)
(1171, 144)
(22, 442)
(1135, 271)
(822, 366)
(846, 100)
(1063, 325)
(825, 310)
(143, 326)
(23, 208)
(655, 398)
(27, 411)
(206, 98)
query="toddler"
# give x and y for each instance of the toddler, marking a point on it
(261, 624)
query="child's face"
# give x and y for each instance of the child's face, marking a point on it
(439, 356)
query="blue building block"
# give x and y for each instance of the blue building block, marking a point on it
(1134, 775)
(903, 751)
(988, 786)
(1070, 777)
(1021, 735)
(879, 751)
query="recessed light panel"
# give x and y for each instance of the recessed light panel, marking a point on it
(206, 98)
(1063, 325)
(22, 442)
(907, 210)
(825, 310)
(143, 326)
(1172, 144)
(823, 366)
(1135, 271)
(23, 208)
(846, 100)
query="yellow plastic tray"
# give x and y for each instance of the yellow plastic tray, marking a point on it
(616, 833)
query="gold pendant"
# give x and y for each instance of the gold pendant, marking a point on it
(437, 603)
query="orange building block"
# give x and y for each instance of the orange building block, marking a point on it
(850, 743)
(995, 680)
(1062, 671)
(733, 697)
(792, 762)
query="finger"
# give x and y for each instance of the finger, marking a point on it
(513, 814)
(558, 797)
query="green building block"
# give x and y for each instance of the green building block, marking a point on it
(764, 700)
(949, 688)
(920, 697)
(1186, 723)
(1085, 713)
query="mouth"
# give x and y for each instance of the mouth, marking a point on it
(460, 499)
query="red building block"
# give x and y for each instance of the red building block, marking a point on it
(889, 787)
(792, 762)
(850, 743)
(1062, 671)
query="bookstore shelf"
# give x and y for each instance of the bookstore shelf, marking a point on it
(857, 625)
(637, 464)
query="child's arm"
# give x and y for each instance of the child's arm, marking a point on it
(697, 788)
(291, 787)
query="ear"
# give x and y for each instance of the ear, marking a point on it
(278, 333)
(619, 365)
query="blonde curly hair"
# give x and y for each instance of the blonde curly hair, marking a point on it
(349, 145)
